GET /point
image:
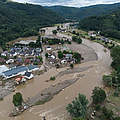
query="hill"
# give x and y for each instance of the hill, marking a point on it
(83, 12)
(21, 20)
(109, 25)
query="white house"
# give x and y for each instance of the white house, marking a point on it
(52, 56)
(9, 61)
(63, 61)
(48, 48)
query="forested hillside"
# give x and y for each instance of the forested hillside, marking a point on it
(83, 12)
(20, 20)
(109, 25)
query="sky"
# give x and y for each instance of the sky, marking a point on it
(72, 3)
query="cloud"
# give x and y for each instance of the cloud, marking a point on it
(73, 3)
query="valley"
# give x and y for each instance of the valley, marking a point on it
(92, 77)
(59, 62)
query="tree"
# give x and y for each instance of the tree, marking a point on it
(112, 80)
(71, 66)
(78, 107)
(60, 55)
(58, 28)
(98, 95)
(32, 45)
(69, 42)
(116, 58)
(74, 32)
(52, 78)
(77, 57)
(3, 0)
(108, 114)
(92, 38)
(54, 32)
(46, 55)
(40, 58)
(74, 38)
(38, 42)
(17, 99)
(116, 118)
(65, 52)
(77, 39)
(35, 63)
(107, 79)
(38, 39)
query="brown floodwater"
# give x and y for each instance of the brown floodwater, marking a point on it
(55, 109)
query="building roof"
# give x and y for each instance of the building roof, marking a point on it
(31, 67)
(19, 79)
(28, 74)
(15, 71)
(25, 42)
(18, 70)
(3, 68)
(68, 55)
(48, 48)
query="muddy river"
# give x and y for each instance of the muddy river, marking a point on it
(55, 109)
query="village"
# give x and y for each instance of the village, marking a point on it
(20, 61)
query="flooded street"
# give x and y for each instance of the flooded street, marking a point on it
(55, 109)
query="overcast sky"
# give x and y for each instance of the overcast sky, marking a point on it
(73, 3)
